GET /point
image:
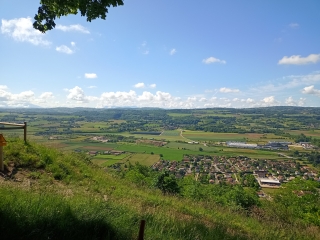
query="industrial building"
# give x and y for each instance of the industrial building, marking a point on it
(241, 145)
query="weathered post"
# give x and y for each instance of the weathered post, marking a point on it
(25, 131)
(3, 142)
(141, 230)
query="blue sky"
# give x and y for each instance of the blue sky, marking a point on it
(165, 54)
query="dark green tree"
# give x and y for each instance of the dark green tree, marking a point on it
(52, 9)
(167, 183)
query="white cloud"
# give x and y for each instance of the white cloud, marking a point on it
(25, 99)
(291, 102)
(140, 85)
(77, 94)
(311, 90)
(302, 102)
(146, 52)
(92, 87)
(146, 96)
(298, 60)
(110, 99)
(269, 100)
(75, 28)
(173, 51)
(228, 90)
(44, 98)
(76, 97)
(153, 85)
(73, 44)
(294, 25)
(290, 82)
(249, 100)
(64, 49)
(192, 99)
(21, 30)
(90, 75)
(213, 60)
(46, 95)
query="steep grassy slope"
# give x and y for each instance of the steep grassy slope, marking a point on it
(47, 194)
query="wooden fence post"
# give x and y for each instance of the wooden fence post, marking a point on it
(141, 231)
(25, 131)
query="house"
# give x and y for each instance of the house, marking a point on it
(269, 182)
(114, 152)
(93, 153)
(261, 173)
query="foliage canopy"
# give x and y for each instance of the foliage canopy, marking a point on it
(52, 9)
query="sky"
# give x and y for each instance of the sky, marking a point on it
(167, 54)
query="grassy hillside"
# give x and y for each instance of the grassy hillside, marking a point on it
(48, 194)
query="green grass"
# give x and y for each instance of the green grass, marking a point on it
(109, 162)
(270, 191)
(69, 198)
(110, 156)
(144, 159)
(170, 133)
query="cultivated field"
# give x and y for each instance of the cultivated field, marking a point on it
(223, 137)
(145, 159)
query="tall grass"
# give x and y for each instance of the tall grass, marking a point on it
(69, 198)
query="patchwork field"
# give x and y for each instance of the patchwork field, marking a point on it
(222, 137)
(108, 160)
(312, 133)
(145, 159)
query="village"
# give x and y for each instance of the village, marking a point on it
(217, 169)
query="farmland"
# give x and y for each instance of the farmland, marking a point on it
(149, 134)
(121, 155)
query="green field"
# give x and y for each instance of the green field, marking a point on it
(217, 137)
(145, 159)
(110, 157)
(171, 133)
(312, 133)
(142, 158)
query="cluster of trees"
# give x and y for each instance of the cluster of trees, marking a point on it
(314, 158)
(248, 180)
(228, 195)
(299, 199)
(303, 138)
